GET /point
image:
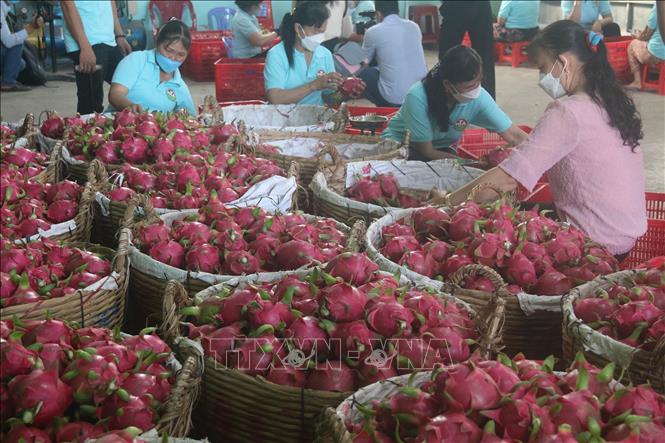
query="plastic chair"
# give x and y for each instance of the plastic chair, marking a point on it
(658, 84)
(167, 9)
(265, 15)
(516, 56)
(427, 17)
(219, 19)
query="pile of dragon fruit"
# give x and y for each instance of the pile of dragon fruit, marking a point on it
(382, 190)
(515, 400)
(240, 241)
(191, 181)
(532, 253)
(42, 270)
(61, 384)
(632, 312)
(334, 329)
(7, 134)
(28, 206)
(17, 164)
(133, 138)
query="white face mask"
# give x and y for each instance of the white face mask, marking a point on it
(466, 97)
(552, 85)
(311, 42)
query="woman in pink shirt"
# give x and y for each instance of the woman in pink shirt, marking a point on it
(587, 141)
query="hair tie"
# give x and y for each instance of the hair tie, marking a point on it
(592, 40)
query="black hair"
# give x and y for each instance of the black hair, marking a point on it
(246, 5)
(459, 64)
(601, 82)
(307, 13)
(174, 31)
(387, 7)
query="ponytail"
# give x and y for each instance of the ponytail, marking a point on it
(306, 13)
(601, 82)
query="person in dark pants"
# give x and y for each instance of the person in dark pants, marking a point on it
(95, 41)
(474, 17)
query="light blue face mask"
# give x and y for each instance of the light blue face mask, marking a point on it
(166, 64)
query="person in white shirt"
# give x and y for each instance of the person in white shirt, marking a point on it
(396, 46)
(12, 48)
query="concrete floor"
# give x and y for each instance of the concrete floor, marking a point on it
(518, 95)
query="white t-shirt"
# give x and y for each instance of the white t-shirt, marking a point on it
(397, 45)
(339, 24)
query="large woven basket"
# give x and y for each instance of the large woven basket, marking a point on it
(236, 407)
(103, 307)
(149, 277)
(53, 171)
(640, 366)
(82, 228)
(329, 185)
(533, 322)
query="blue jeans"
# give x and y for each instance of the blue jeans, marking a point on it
(371, 77)
(12, 63)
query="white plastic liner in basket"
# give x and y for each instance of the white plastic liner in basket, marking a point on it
(57, 229)
(529, 303)
(290, 118)
(310, 147)
(146, 264)
(445, 175)
(274, 194)
(590, 339)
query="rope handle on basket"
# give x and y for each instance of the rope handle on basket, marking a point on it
(406, 142)
(176, 420)
(458, 277)
(55, 160)
(139, 201)
(175, 298)
(491, 323)
(120, 262)
(294, 171)
(356, 239)
(511, 197)
(98, 175)
(28, 125)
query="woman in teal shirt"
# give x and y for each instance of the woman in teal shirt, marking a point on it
(586, 13)
(647, 49)
(517, 20)
(247, 36)
(299, 69)
(150, 80)
(437, 110)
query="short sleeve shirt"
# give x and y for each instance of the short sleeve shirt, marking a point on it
(414, 116)
(279, 75)
(655, 45)
(139, 73)
(591, 10)
(243, 25)
(97, 20)
(520, 14)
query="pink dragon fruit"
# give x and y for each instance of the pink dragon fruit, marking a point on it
(332, 376)
(419, 262)
(353, 268)
(390, 319)
(169, 252)
(39, 396)
(295, 254)
(452, 427)
(342, 302)
(431, 221)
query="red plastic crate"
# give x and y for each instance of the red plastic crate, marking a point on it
(655, 205)
(238, 79)
(474, 143)
(355, 111)
(617, 56)
(242, 102)
(207, 47)
(651, 244)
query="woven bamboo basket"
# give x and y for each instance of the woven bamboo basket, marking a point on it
(330, 183)
(103, 308)
(533, 322)
(83, 219)
(236, 407)
(176, 417)
(640, 366)
(53, 171)
(147, 288)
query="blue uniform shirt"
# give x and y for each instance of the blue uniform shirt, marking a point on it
(243, 25)
(97, 20)
(139, 73)
(414, 115)
(520, 14)
(591, 10)
(279, 75)
(656, 45)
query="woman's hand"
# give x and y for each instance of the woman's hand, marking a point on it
(331, 80)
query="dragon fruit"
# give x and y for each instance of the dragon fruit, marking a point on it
(390, 319)
(452, 427)
(342, 302)
(353, 268)
(39, 396)
(395, 248)
(430, 221)
(332, 376)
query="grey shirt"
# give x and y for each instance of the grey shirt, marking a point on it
(397, 45)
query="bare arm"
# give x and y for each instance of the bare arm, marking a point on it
(426, 149)
(576, 13)
(501, 21)
(514, 135)
(258, 39)
(118, 98)
(289, 96)
(495, 177)
(660, 15)
(646, 34)
(118, 31)
(87, 58)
